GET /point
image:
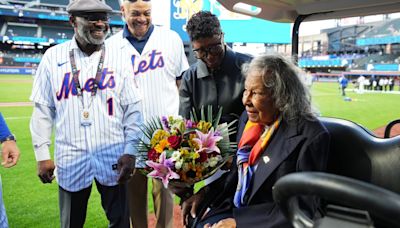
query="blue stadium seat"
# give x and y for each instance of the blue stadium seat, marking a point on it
(388, 28)
(57, 32)
(55, 2)
(19, 30)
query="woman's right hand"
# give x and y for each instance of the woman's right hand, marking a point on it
(189, 206)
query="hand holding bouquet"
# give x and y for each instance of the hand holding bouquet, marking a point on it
(186, 150)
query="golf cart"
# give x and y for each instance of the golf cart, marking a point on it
(361, 187)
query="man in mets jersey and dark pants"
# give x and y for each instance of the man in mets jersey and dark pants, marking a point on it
(157, 59)
(81, 90)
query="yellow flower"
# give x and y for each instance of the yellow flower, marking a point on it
(204, 126)
(193, 144)
(158, 135)
(161, 146)
(192, 135)
(184, 152)
(196, 155)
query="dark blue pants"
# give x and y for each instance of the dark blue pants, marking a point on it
(73, 206)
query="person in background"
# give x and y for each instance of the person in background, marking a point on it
(367, 84)
(10, 155)
(81, 90)
(279, 134)
(157, 58)
(391, 83)
(361, 84)
(309, 79)
(343, 81)
(381, 82)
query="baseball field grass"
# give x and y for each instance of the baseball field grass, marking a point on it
(29, 203)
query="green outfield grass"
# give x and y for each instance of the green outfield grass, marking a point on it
(371, 110)
(15, 88)
(32, 204)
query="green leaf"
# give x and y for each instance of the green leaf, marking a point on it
(209, 114)
(193, 115)
(218, 117)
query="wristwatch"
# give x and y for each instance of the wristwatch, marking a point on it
(8, 138)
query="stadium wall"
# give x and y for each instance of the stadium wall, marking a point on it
(17, 70)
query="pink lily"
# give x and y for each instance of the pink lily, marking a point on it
(208, 141)
(162, 169)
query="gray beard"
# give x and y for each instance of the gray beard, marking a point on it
(87, 37)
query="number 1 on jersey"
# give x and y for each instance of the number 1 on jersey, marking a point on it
(110, 106)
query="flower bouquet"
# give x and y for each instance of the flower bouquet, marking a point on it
(186, 150)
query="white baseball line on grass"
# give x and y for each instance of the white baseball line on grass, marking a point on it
(17, 118)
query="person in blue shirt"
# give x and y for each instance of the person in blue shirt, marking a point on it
(10, 156)
(343, 84)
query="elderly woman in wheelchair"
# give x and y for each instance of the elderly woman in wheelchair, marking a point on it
(278, 134)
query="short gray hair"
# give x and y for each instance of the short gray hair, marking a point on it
(282, 80)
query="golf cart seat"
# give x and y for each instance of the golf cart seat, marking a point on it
(355, 152)
(362, 173)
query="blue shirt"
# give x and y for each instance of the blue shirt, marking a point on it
(4, 131)
(3, 216)
(138, 44)
(344, 82)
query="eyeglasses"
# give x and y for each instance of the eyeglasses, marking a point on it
(212, 49)
(95, 17)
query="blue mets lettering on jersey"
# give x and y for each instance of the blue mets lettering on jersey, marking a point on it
(68, 86)
(155, 60)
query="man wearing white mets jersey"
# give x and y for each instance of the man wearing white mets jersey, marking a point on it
(95, 107)
(157, 59)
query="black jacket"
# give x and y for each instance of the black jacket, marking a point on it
(223, 87)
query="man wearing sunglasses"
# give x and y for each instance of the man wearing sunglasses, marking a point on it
(81, 90)
(157, 58)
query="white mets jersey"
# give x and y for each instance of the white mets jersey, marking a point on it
(84, 152)
(155, 69)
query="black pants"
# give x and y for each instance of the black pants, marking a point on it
(73, 206)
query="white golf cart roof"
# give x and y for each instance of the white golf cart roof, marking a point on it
(289, 10)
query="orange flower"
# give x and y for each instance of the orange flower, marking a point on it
(161, 146)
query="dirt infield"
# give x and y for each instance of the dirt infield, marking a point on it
(381, 131)
(177, 218)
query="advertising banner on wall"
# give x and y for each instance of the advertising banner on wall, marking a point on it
(237, 27)
(17, 70)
